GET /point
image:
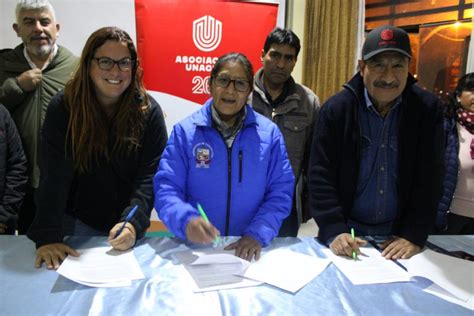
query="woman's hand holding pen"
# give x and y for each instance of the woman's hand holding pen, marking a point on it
(126, 239)
(201, 231)
(344, 244)
(53, 255)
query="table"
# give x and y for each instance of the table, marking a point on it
(164, 291)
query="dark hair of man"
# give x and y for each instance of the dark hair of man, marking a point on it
(451, 103)
(282, 36)
(89, 127)
(233, 57)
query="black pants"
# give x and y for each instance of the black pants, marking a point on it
(459, 225)
(289, 227)
(27, 211)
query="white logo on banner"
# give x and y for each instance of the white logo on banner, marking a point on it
(207, 33)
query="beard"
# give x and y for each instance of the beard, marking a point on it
(40, 51)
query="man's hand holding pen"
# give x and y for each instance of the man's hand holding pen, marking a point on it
(344, 245)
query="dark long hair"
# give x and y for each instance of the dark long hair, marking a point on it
(451, 103)
(89, 128)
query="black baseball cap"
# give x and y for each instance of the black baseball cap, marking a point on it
(386, 38)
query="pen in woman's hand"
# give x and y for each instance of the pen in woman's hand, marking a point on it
(129, 217)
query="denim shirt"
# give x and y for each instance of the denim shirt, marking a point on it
(376, 203)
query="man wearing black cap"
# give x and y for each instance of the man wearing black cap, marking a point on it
(377, 155)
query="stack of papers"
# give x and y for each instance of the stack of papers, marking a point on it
(369, 268)
(102, 267)
(286, 269)
(213, 269)
(216, 270)
(453, 277)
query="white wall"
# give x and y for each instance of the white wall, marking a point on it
(295, 21)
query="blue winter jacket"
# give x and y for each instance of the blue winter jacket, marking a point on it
(244, 190)
(451, 163)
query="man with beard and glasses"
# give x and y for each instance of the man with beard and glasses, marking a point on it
(376, 162)
(30, 75)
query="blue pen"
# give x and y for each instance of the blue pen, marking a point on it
(129, 217)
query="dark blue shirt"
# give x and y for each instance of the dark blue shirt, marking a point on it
(376, 203)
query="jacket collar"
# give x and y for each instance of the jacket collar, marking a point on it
(21, 64)
(203, 117)
(46, 64)
(259, 87)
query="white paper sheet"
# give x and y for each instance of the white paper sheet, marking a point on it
(214, 269)
(452, 274)
(102, 267)
(438, 291)
(370, 268)
(286, 269)
(218, 258)
(189, 281)
(108, 284)
(243, 283)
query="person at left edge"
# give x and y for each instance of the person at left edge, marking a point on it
(102, 139)
(13, 176)
(232, 161)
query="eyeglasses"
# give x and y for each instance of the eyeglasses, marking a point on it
(106, 63)
(224, 81)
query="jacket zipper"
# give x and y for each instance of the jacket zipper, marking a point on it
(229, 188)
(241, 156)
(229, 177)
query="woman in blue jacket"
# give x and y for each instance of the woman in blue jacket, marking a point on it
(230, 160)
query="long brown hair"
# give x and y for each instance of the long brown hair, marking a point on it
(89, 129)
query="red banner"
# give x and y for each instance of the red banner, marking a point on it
(179, 41)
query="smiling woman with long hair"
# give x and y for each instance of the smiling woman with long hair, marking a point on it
(101, 142)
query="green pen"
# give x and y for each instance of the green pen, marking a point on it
(217, 240)
(354, 254)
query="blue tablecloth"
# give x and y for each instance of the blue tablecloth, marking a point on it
(29, 291)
